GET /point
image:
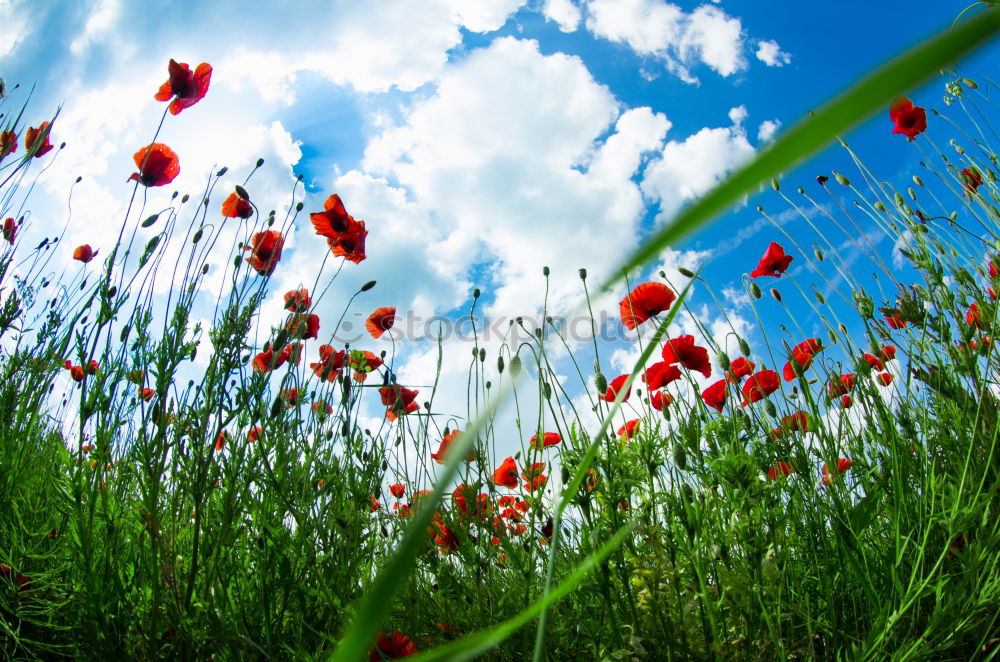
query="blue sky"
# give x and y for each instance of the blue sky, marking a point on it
(479, 141)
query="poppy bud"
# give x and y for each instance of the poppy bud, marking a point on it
(754, 290)
(547, 389)
(776, 294)
(918, 181)
(770, 408)
(818, 253)
(969, 83)
(221, 171)
(820, 298)
(723, 360)
(601, 382)
(744, 347)
(583, 274)
(482, 354)
(345, 429)
(197, 236)
(149, 221)
(475, 293)
(488, 384)
(298, 208)
(515, 366)
(952, 216)
(475, 353)
(959, 149)
(367, 286)
(843, 328)
(242, 192)
(685, 272)
(879, 206)
(843, 181)
(260, 162)
(680, 457)
(500, 364)
(565, 475)
(204, 270)
(907, 209)
(545, 271)
(775, 185)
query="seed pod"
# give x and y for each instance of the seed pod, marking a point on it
(367, 286)
(754, 290)
(843, 181)
(583, 274)
(500, 364)
(545, 271)
(819, 254)
(918, 181)
(775, 185)
(515, 366)
(685, 272)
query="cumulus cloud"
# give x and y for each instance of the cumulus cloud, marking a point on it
(771, 54)
(663, 30)
(564, 13)
(767, 129)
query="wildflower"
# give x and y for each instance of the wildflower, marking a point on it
(303, 326)
(374, 503)
(403, 510)
(446, 539)
(548, 439)
(533, 476)
(738, 369)
(297, 301)
(185, 87)
(683, 350)
(221, 440)
(843, 464)
(236, 206)
(660, 399)
(265, 251)
(643, 302)
(290, 396)
(779, 470)
(888, 353)
(773, 263)
(627, 431)
(895, 320)
(846, 401)
(9, 230)
(809, 346)
(397, 490)
(91, 368)
(506, 474)
(910, 120)
(399, 400)
(873, 362)
(84, 253)
(38, 139)
(77, 373)
(344, 235)
(446, 442)
(147, 394)
(330, 363)
(363, 362)
(884, 379)
(759, 386)
(660, 374)
(321, 408)
(802, 359)
(254, 434)
(613, 388)
(590, 482)
(380, 321)
(841, 385)
(715, 395)
(8, 143)
(158, 165)
(292, 353)
(973, 316)
(972, 179)
(264, 362)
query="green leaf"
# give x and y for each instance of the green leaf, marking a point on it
(871, 94)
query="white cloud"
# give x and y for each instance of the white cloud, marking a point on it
(771, 54)
(767, 129)
(661, 29)
(14, 17)
(565, 14)
(98, 25)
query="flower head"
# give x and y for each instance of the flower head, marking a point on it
(506, 474)
(548, 439)
(843, 464)
(344, 235)
(38, 139)
(660, 374)
(715, 395)
(660, 399)
(9, 230)
(972, 179)
(157, 164)
(265, 251)
(397, 490)
(380, 321)
(185, 87)
(973, 316)
(627, 431)
(297, 301)
(739, 368)
(8, 143)
(841, 385)
(780, 470)
(236, 206)
(643, 302)
(683, 350)
(613, 388)
(330, 364)
(773, 263)
(910, 120)
(533, 476)
(446, 442)
(84, 253)
(760, 385)
(303, 326)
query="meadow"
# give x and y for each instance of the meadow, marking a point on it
(827, 496)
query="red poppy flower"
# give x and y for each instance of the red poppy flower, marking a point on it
(84, 253)
(321, 408)
(265, 362)
(399, 400)
(910, 120)
(780, 470)
(715, 395)
(363, 362)
(8, 143)
(798, 421)
(446, 442)
(683, 350)
(888, 353)
(885, 378)
(375, 505)
(873, 361)
(972, 179)
(38, 139)
(330, 363)
(344, 235)
(292, 353)
(147, 394)
(843, 464)
(738, 369)
(290, 396)
(220, 441)
(846, 401)
(403, 509)
(896, 321)
(627, 431)
(841, 385)
(613, 388)
(381, 321)
(9, 230)
(533, 476)
(397, 490)
(303, 326)
(236, 206)
(643, 302)
(185, 87)
(974, 317)
(803, 359)
(660, 399)
(77, 373)
(548, 439)
(297, 301)
(773, 263)
(760, 385)
(265, 252)
(254, 434)
(158, 165)
(506, 474)
(446, 539)
(809, 346)
(660, 374)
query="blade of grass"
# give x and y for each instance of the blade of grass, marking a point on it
(868, 95)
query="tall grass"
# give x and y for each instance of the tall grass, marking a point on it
(157, 508)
